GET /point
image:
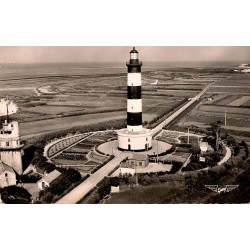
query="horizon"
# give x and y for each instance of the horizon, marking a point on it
(120, 54)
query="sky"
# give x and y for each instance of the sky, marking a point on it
(50, 54)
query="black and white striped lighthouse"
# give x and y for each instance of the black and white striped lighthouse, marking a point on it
(134, 101)
(134, 137)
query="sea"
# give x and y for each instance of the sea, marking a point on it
(28, 70)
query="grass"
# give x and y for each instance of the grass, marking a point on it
(96, 93)
(240, 101)
(142, 195)
(53, 110)
(230, 110)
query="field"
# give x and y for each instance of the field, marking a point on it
(74, 98)
(230, 104)
(142, 195)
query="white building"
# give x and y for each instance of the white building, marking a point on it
(115, 189)
(7, 175)
(10, 147)
(48, 179)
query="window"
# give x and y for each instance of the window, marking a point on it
(146, 139)
(6, 175)
(12, 125)
(128, 140)
(7, 144)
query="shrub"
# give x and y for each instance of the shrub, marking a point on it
(29, 178)
(15, 195)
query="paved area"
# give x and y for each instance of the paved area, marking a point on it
(32, 189)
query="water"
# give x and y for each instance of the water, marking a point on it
(8, 71)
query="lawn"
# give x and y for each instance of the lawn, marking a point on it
(142, 195)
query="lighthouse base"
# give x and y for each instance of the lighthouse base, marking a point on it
(134, 141)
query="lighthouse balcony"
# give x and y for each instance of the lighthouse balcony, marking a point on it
(134, 62)
(11, 148)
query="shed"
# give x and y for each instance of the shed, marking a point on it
(138, 160)
(203, 146)
(115, 189)
(48, 179)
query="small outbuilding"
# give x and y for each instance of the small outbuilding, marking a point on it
(204, 146)
(138, 160)
(7, 175)
(115, 189)
(48, 179)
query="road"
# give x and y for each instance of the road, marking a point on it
(227, 155)
(179, 111)
(77, 193)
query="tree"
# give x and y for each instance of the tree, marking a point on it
(15, 195)
(216, 130)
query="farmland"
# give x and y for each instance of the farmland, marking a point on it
(229, 102)
(55, 98)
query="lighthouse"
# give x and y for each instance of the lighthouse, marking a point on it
(134, 137)
(10, 146)
(134, 102)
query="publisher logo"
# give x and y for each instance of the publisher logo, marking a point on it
(220, 190)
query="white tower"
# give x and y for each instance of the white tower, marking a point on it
(10, 147)
(134, 137)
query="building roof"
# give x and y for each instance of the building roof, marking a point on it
(133, 50)
(204, 144)
(51, 176)
(4, 167)
(138, 157)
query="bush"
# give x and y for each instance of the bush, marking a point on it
(29, 178)
(64, 181)
(58, 187)
(176, 166)
(41, 162)
(15, 195)
(194, 166)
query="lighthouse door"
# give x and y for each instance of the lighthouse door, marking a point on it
(146, 146)
(129, 147)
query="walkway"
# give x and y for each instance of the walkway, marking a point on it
(227, 155)
(77, 193)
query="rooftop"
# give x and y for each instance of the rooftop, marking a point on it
(133, 50)
(5, 167)
(51, 176)
(138, 157)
